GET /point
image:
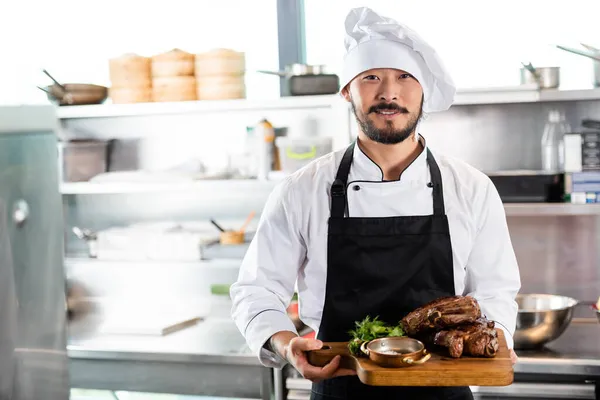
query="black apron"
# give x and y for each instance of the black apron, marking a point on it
(383, 267)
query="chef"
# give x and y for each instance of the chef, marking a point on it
(379, 228)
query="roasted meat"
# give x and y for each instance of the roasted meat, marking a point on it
(442, 314)
(478, 339)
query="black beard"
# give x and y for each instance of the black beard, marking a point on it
(387, 135)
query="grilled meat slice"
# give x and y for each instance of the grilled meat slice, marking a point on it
(477, 339)
(441, 314)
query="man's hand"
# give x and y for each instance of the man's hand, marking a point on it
(294, 348)
(513, 357)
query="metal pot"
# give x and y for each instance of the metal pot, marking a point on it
(544, 77)
(306, 80)
(396, 352)
(592, 53)
(542, 318)
(298, 70)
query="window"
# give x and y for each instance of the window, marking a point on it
(74, 39)
(481, 43)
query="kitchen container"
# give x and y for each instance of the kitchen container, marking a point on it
(542, 318)
(396, 352)
(544, 77)
(296, 152)
(76, 94)
(82, 159)
(306, 80)
(220, 301)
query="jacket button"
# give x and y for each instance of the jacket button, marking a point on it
(356, 188)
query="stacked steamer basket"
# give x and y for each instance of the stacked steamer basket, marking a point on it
(173, 76)
(220, 75)
(131, 81)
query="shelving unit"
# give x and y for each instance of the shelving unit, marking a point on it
(500, 95)
(204, 106)
(550, 209)
(209, 185)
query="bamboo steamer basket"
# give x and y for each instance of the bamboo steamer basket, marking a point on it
(221, 87)
(220, 62)
(174, 88)
(130, 71)
(175, 62)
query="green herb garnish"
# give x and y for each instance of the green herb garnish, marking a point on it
(369, 329)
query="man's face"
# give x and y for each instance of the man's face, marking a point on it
(387, 104)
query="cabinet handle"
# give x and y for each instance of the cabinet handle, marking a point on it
(20, 212)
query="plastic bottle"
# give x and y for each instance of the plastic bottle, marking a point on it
(553, 152)
(265, 135)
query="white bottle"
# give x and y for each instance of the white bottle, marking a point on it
(265, 136)
(553, 145)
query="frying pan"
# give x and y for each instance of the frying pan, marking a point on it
(74, 93)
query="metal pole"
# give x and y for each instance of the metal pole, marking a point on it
(291, 36)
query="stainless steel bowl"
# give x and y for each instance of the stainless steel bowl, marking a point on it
(542, 318)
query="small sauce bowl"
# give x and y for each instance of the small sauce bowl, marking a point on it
(396, 352)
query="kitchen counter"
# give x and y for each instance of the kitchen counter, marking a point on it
(575, 353)
(210, 358)
(567, 367)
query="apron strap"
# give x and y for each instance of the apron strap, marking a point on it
(338, 188)
(436, 183)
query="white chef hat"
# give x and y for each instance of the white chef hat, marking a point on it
(373, 41)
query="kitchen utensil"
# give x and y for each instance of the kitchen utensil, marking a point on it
(542, 318)
(592, 53)
(74, 93)
(91, 238)
(544, 77)
(77, 94)
(238, 236)
(396, 352)
(247, 222)
(304, 80)
(589, 54)
(212, 221)
(591, 48)
(439, 370)
(298, 70)
(55, 81)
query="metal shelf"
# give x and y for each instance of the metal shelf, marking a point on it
(550, 209)
(74, 188)
(211, 186)
(474, 96)
(200, 106)
(523, 94)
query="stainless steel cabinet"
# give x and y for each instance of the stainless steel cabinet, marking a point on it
(33, 359)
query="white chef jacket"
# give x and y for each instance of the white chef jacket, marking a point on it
(289, 250)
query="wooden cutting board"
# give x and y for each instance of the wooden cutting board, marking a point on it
(439, 370)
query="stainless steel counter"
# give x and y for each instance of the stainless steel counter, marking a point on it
(210, 359)
(566, 368)
(575, 353)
